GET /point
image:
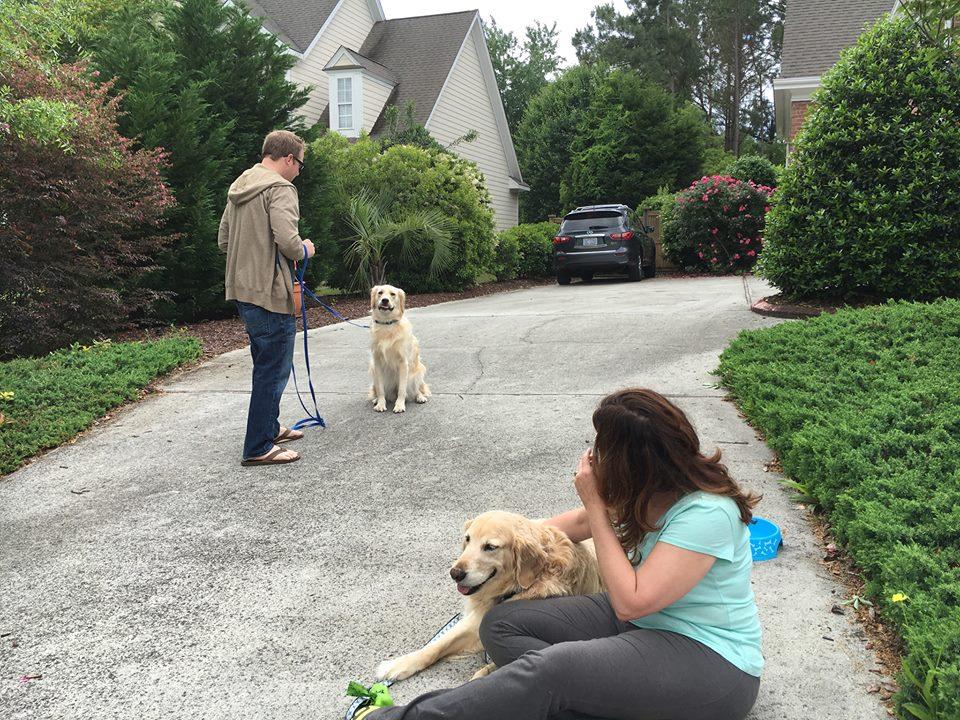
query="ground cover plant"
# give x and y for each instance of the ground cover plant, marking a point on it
(862, 408)
(45, 401)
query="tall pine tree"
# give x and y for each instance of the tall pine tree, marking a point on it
(205, 84)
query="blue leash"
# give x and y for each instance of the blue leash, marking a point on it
(314, 419)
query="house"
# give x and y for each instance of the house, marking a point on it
(814, 34)
(359, 63)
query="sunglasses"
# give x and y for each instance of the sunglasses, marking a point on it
(299, 162)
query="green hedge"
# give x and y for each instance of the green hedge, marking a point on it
(47, 400)
(863, 409)
(525, 251)
(868, 205)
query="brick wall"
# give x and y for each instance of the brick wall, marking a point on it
(798, 111)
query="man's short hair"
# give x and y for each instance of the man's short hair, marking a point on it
(281, 143)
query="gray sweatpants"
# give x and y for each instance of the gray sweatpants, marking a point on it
(570, 658)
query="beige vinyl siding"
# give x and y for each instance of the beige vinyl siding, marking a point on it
(465, 105)
(375, 94)
(350, 26)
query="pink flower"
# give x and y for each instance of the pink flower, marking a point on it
(766, 209)
(736, 256)
(713, 260)
(742, 208)
(714, 231)
(751, 253)
(726, 208)
(705, 198)
(700, 254)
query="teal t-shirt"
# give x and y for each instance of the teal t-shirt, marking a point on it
(720, 610)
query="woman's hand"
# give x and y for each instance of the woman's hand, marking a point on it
(586, 482)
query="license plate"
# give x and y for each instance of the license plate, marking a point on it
(589, 242)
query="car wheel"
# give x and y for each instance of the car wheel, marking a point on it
(633, 271)
(563, 278)
(650, 270)
(586, 277)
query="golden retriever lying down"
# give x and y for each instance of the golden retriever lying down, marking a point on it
(395, 366)
(505, 557)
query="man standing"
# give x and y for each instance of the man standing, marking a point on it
(260, 235)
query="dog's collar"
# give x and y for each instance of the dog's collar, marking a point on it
(381, 322)
(507, 596)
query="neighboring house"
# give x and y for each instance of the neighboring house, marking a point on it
(359, 63)
(814, 33)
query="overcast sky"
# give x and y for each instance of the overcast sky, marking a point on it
(511, 15)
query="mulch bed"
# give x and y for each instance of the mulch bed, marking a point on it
(220, 336)
(781, 306)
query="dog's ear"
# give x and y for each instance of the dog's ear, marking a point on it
(373, 295)
(466, 526)
(538, 550)
(402, 297)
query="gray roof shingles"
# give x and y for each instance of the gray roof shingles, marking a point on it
(369, 65)
(420, 51)
(295, 22)
(815, 31)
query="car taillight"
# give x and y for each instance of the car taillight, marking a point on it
(561, 239)
(628, 235)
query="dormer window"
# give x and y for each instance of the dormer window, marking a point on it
(345, 103)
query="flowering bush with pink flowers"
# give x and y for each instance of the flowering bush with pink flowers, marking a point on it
(717, 224)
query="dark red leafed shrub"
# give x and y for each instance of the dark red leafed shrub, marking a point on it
(78, 227)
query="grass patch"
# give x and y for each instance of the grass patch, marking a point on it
(47, 400)
(863, 409)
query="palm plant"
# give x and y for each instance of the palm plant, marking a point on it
(376, 226)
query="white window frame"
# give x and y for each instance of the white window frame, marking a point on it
(356, 92)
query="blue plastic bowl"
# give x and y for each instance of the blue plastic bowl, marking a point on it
(765, 539)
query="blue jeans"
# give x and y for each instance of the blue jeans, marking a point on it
(271, 344)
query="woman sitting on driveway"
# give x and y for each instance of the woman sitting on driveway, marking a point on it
(676, 635)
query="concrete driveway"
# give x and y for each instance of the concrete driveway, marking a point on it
(145, 574)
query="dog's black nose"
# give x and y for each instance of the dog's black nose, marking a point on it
(457, 574)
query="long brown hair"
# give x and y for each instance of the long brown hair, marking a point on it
(646, 445)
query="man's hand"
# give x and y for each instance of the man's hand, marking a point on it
(309, 249)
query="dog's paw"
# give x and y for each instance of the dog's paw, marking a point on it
(380, 405)
(484, 671)
(400, 407)
(398, 669)
(421, 399)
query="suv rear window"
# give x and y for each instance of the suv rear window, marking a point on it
(597, 220)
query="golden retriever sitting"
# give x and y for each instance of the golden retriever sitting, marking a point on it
(395, 366)
(505, 557)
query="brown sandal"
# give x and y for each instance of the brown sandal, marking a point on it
(271, 458)
(288, 435)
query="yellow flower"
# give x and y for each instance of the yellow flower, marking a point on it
(6, 395)
(898, 597)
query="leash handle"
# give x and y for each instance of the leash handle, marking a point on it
(348, 715)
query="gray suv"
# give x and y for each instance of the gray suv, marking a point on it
(599, 239)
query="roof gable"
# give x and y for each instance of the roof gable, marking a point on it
(815, 31)
(298, 22)
(420, 51)
(346, 59)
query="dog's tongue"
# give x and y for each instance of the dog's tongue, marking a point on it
(463, 589)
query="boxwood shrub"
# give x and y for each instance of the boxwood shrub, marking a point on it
(526, 251)
(868, 205)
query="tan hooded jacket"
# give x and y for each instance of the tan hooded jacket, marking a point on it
(261, 217)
